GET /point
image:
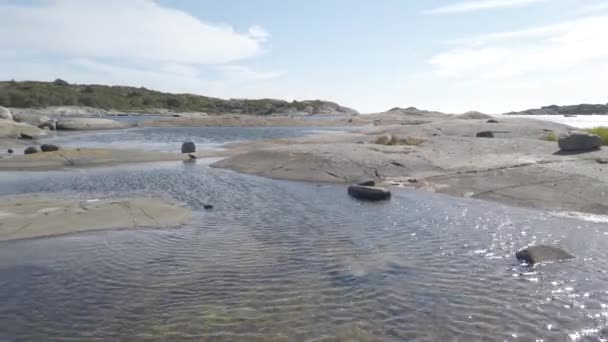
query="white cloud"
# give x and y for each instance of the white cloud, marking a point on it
(481, 5)
(116, 29)
(593, 8)
(546, 48)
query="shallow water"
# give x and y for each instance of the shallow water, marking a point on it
(171, 138)
(290, 261)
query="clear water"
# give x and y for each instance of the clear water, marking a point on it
(291, 261)
(580, 121)
(171, 138)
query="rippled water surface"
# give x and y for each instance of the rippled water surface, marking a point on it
(171, 138)
(286, 261)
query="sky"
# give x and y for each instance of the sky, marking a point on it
(487, 55)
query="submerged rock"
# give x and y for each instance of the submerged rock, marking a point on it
(188, 147)
(485, 134)
(369, 193)
(31, 150)
(208, 206)
(49, 148)
(579, 141)
(542, 253)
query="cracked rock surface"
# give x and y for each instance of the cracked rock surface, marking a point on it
(33, 216)
(519, 166)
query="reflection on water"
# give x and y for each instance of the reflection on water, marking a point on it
(171, 138)
(290, 261)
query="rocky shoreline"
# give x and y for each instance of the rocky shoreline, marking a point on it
(510, 160)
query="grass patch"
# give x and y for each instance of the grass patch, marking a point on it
(392, 139)
(551, 136)
(602, 132)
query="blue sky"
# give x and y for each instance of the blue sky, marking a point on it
(488, 55)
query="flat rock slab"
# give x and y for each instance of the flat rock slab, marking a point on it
(369, 193)
(83, 158)
(12, 129)
(30, 217)
(542, 253)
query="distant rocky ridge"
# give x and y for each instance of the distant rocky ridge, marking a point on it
(61, 97)
(580, 109)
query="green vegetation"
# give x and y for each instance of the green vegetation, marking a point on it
(29, 94)
(551, 136)
(602, 132)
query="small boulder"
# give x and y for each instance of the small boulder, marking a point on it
(49, 148)
(25, 136)
(485, 134)
(31, 150)
(602, 160)
(542, 253)
(492, 121)
(5, 114)
(10, 151)
(188, 147)
(579, 141)
(369, 193)
(207, 206)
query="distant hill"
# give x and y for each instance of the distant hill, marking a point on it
(31, 94)
(581, 109)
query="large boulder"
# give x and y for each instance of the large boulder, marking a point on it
(542, 253)
(5, 113)
(49, 148)
(30, 150)
(369, 193)
(579, 141)
(188, 147)
(88, 124)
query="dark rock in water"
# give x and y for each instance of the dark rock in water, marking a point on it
(49, 148)
(366, 182)
(10, 151)
(31, 150)
(492, 121)
(602, 160)
(207, 206)
(579, 141)
(485, 134)
(25, 136)
(188, 147)
(369, 193)
(542, 253)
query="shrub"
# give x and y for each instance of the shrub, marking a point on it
(551, 136)
(396, 140)
(602, 132)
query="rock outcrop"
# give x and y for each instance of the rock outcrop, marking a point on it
(579, 142)
(88, 124)
(542, 253)
(12, 129)
(580, 109)
(5, 113)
